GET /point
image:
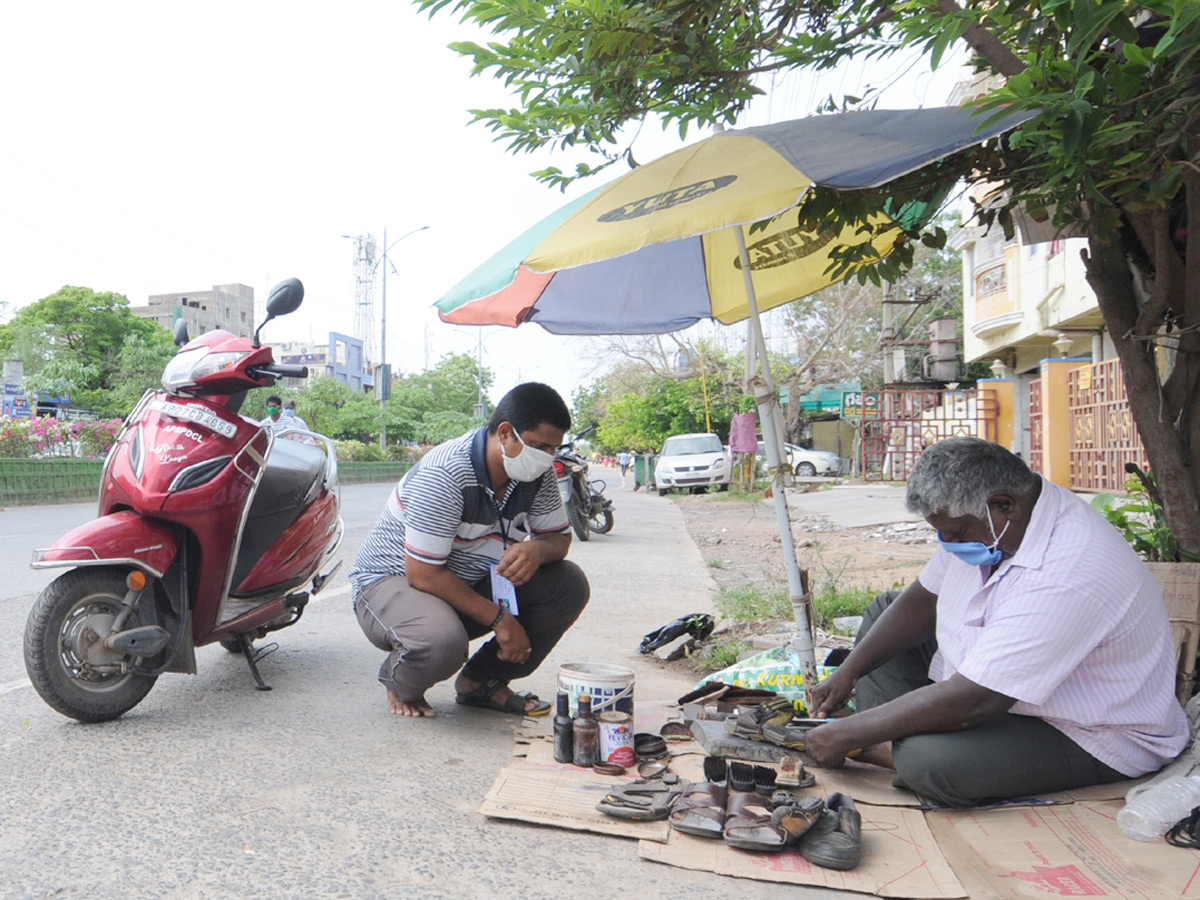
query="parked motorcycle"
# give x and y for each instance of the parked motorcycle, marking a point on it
(588, 509)
(211, 528)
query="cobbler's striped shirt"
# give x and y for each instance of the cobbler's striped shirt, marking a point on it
(443, 512)
(1072, 626)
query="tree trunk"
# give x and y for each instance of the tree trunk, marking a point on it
(1109, 274)
(793, 409)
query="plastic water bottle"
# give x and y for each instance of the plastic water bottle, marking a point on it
(1149, 814)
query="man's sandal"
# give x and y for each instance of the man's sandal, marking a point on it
(700, 810)
(516, 705)
(645, 800)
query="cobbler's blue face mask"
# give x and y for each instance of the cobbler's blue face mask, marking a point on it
(977, 553)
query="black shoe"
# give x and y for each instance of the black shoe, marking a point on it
(835, 840)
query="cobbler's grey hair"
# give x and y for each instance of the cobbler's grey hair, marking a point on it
(955, 477)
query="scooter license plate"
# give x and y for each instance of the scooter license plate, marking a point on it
(197, 415)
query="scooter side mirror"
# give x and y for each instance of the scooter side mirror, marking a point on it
(180, 333)
(285, 297)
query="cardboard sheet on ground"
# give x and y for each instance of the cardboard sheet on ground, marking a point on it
(900, 859)
(1073, 850)
(869, 784)
(562, 796)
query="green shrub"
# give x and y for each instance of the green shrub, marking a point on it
(721, 655)
(750, 601)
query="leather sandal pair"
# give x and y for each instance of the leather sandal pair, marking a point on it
(745, 820)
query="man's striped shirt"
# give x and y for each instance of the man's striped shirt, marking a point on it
(444, 512)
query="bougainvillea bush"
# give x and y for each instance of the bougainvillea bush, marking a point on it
(43, 436)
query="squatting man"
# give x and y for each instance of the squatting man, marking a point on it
(1032, 654)
(483, 505)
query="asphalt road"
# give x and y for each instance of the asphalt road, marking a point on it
(209, 789)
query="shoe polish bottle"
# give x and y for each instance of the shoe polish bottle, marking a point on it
(586, 734)
(564, 734)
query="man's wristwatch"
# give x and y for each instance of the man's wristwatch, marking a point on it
(496, 621)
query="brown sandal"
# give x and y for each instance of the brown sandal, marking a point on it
(749, 825)
(700, 810)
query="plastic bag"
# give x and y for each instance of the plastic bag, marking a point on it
(775, 670)
(698, 625)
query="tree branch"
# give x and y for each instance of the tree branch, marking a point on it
(983, 42)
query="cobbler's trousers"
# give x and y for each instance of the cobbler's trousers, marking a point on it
(426, 639)
(1005, 757)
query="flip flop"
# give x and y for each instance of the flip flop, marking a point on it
(700, 810)
(515, 705)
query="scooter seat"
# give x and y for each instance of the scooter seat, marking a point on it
(292, 479)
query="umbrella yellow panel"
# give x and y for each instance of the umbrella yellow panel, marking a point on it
(726, 180)
(787, 263)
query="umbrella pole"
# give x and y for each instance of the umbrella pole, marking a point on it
(761, 385)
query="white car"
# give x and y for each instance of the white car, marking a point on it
(807, 463)
(692, 461)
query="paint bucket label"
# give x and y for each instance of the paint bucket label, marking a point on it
(616, 738)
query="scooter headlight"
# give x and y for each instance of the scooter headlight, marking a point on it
(186, 368)
(216, 362)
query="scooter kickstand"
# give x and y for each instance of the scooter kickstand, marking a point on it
(252, 661)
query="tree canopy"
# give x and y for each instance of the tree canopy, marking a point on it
(1112, 149)
(425, 407)
(88, 346)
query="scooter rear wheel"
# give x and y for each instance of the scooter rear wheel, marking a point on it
(578, 521)
(63, 656)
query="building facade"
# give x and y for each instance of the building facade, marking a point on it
(229, 307)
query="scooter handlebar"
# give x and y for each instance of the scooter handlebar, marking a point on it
(281, 371)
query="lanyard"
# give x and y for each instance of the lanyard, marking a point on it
(497, 509)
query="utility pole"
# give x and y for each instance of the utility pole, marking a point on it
(383, 373)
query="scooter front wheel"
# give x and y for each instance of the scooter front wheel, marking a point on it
(64, 654)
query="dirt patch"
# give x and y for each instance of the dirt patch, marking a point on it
(739, 539)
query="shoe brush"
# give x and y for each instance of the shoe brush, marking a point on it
(791, 771)
(741, 776)
(764, 780)
(715, 770)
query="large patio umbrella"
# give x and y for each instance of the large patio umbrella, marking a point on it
(665, 246)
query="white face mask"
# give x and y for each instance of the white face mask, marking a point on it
(528, 465)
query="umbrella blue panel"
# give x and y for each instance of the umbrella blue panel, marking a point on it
(657, 289)
(871, 147)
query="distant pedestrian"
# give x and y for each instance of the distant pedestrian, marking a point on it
(623, 461)
(281, 416)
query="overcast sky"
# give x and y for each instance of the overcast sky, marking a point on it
(153, 147)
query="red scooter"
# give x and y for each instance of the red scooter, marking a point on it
(212, 528)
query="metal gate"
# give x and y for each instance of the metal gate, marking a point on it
(1102, 434)
(911, 420)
